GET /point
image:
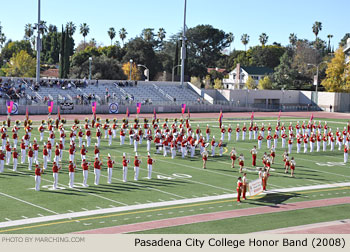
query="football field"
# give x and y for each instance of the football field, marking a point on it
(178, 188)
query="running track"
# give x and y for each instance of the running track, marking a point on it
(217, 216)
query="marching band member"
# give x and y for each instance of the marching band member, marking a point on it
(97, 170)
(346, 150)
(198, 132)
(213, 145)
(192, 146)
(324, 139)
(319, 139)
(137, 163)
(286, 163)
(223, 130)
(306, 139)
(255, 131)
(105, 128)
(55, 169)
(110, 136)
(244, 185)
(292, 166)
(37, 177)
(85, 165)
(150, 162)
(45, 156)
(239, 189)
(83, 152)
(122, 136)
(205, 158)
(220, 145)
(88, 137)
(125, 167)
(41, 130)
(23, 152)
(272, 154)
(80, 136)
(268, 140)
(8, 152)
(15, 158)
(283, 136)
(2, 161)
(265, 176)
(275, 139)
(290, 145)
(332, 142)
(172, 149)
(110, 164)
(98, 136)
(131, 136)
(184, 147)
(312, 142)
(49, 150)
(254, 152)
(244, 131)
(269, 129)
(299, 137)
(250, 131)
(237, 132)
(30, 157)
(260, 138)
(114, 128)
(207, 132)
(71, 170)
(57, 154)
(297, 128)
(241, 163)
(233, 156)
(136, 141)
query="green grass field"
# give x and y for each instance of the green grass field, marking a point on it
(173, 179)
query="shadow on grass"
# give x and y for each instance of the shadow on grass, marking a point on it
(272, 200)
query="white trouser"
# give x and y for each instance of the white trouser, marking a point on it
(15, 164)
(221, 151)
(131, 140)
(41, 136)
(61, 153)
(340, 145)
(71, 179)
(45, 158)
(222, 136)
(88, 141)
(140, 142)
(192, 151)
(149, 167)
(332, 146)
(263, 134)
(63, 140)
(71, 157)
(122, 139)
(97, 173)
(311, 147)
(283, 143)
(237, 136)
(212, 151)
(183, 151)
(148, 145)
(15, 143)
(56, 159)
(23, 156)
(125, 173)
(250, 134)
(243, 135)
(106, 134)
(255, 134)
(97, 155)
(208, 136)
(8, 157)
(55, 180)
(49, 155)
(136, 170)
(110, 140)
(164, 151)
(135, 145)
(173, 152)
(2, 166)
(268, 144)
(298, 147)
(324, 145)
(30, 162)
(36, 155)
(80, 141)
(109, 173)
(297, 131)
(85, 175)
(290, 146)
(259, 144)
(305, 147)
(114, 133)
(52, 142)
(37, 182)
(318, 146)
(345, 157)
(275, 141)
(82, 157)
(98, 141)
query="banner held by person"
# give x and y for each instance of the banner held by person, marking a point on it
(255, 187)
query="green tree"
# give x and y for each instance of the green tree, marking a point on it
(342, 42)
(263, 39)
(250, 84)
(329, 36)
(245, 40)
(148, 34)
(28, 31)
(337, 74)
(21, 65)
(2, 37)
(14, 47)
(84, 30)
(265, 56)
(230, 39)
(122, 34)
(71, 28)
(293, 39)
(265, 83)
(161, 34)
(66, 54)
(111, 33)
(218, 84)
(62, 63)
(285, 75)
(316, 28)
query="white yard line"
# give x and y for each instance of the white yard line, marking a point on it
(154, 205)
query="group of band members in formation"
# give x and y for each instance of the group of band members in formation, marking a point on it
(169, 138)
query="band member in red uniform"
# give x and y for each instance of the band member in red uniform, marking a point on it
(254, 152)
(265, 176)
(239, 189)
(55, 169)
(233, 156)
(241, 163)
(292, 166)
(244, 185)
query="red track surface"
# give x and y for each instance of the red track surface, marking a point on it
(217, 216)
(317, 115)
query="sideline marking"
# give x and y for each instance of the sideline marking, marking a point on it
(143, 208)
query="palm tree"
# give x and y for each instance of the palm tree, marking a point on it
(111, 33)
(316, 28)
(230, 38)
(263, 38)
(28, 31)
(161, 34)
(122, 34)
(43, 27)
(245, 40)
(2, 39)
(84, 30)
(293, 39)
(70, 26)
(148, 34)
(329, 36)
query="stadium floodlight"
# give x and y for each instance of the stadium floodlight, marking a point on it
(183, 48)
(146, 71)
(130, 68)
(90, 61)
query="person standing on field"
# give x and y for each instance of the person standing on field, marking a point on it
(346, 151)
(233, 156)
(30, 157)
(97, 170)
(254, 153)
(292, 166)
(205, 158)
(55, 169)
(37, 177)
(110, 164)
(15, 159)
(239, 189)
(244, 185)
(71, 169)
(125, 167)
(241, 163)
(137, 163)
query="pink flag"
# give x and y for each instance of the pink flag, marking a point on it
(154, 114)
(138, 108)
(50, 106)
(183, 108)
(252, 116)
(127, 112)
(312, 117)
(9, 107)
(93, 107)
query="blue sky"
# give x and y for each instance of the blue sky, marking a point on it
(276, 18)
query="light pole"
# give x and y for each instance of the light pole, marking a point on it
(146, 71)
(38, 46)
(130, 68)
(183, 48)
(172, 72)
(90, 61)
(316, 80)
